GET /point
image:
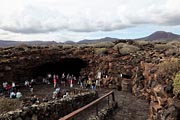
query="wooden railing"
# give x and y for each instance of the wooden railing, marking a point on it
(74, 113)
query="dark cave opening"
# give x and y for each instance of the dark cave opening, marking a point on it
(70, 66)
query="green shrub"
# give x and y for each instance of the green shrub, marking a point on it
(127, 49)
(176, 84)
(142, 42)
(103, 45)
(101, 51)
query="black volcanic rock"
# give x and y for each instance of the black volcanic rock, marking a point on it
(161, 35)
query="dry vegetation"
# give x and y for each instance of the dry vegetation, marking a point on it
(66, 46)
(125, 49)
(176, 84)
(101, 51)
(163, 46)
(142, 42)
(9, 104)
(168, 68)
(102, 45)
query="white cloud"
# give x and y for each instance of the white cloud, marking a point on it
(25, 18)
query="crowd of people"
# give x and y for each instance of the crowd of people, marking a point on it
(65, 80)
(10, 89)
(71, 81)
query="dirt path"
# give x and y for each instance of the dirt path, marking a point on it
(130, 108)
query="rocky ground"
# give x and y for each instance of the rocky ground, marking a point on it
(150, 70)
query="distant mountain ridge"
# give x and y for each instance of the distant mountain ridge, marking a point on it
(8, 43)
(159, 35)
(106, 39)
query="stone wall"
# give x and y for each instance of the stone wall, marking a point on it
(51, 110)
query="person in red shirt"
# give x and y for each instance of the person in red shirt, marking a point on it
(55, 82)
(8, 88)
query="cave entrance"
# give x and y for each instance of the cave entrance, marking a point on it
(70, 66)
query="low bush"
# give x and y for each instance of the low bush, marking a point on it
(174, 43)
(101, 51)
(173, 51)
(9, 104)
(176, 84)
(67, 46)
(103, 45)
(127, 49)
(168, 68)
(163, 46)
(142, 42)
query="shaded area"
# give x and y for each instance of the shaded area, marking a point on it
(70, 66)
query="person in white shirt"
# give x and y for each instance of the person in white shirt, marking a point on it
(18, 94)
(12, 95)
(26, 83)
(13, 86)
(4, 84)
(4, 87)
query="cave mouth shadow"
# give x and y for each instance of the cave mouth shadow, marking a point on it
(70, 66)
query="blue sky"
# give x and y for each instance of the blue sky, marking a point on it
(137, 32)
(64, 20)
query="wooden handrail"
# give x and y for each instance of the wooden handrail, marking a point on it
(72, 114)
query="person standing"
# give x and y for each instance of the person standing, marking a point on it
(26, 83)
(63, 79)
(55, 82)
(99, 75)
(4, 87)
(13, 86)
(93, 86)
(49, 77)
(98, 83)
(31, 87)
(71, 82)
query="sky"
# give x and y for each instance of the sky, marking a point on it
(74, 20)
